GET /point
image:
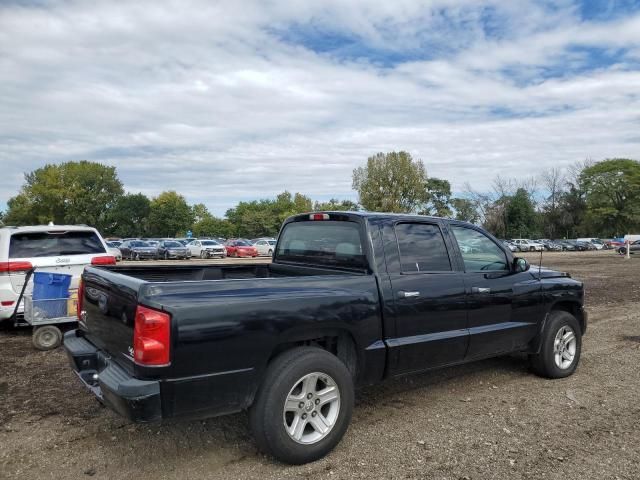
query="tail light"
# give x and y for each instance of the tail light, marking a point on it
(7, 268)
(104, 260)
(151, 337)
(80, 298)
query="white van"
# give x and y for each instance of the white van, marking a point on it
(631, 238)
(49, 248)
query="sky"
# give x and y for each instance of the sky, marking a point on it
(239, 100)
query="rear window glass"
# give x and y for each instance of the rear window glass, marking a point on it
(325, 243)
(422, 248)
(54, 244)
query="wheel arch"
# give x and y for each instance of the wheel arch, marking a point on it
(339, 342)
(574, 307)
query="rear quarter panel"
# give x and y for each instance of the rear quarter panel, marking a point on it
(224, 332)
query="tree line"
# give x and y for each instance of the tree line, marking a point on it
(587, 199)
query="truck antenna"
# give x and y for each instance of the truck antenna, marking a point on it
(540, 265)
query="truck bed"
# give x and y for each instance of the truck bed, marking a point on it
(194, 272)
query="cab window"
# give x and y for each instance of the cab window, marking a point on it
(479, 252)
(422, 248)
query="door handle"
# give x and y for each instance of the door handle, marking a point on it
(404, 294)
(480, 290)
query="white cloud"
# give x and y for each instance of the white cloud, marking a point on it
(234, 100)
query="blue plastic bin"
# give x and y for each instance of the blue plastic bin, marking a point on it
(50, 286)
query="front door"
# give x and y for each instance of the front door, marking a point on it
(503, 305)
(428, 300)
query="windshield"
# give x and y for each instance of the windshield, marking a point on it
(54, 244)
(325, 243)
(173, 245)
(272, 242)
(241, 243)
(140, 244)
(209, 243)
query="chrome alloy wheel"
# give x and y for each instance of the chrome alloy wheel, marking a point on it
(311, 408)
(564, 347)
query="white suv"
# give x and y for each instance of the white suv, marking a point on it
(526, 245)
(50, 248)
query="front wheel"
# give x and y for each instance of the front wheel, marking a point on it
(561, 346)
(304, 405)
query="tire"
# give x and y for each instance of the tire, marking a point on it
(270, 253)
(203, 254)
(166, 255)
(549, 362)
(286, 377)
(47, 337)
(532, 249)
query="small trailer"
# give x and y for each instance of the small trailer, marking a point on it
(47, 316)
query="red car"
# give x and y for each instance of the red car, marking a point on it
(240, 248)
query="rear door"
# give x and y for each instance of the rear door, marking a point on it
(503, 306)
(428, 299)
(59, 251)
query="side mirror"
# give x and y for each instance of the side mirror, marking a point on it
(520, 264)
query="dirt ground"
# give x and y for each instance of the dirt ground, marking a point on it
(492, 419)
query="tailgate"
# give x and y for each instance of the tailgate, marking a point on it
(108, 312)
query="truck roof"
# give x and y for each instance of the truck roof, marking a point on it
(46, 228)
(377, 215)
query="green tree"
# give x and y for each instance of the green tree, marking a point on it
(71, 192)
(520, 215)
(169, 215)
(336, 205)
(214, 227)
(465, 209)
(438, 198)
(200, 212)
(264, 217)
(391, 182)
(129, 216)
(612, 193)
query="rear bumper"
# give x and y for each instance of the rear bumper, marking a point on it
(137, 400)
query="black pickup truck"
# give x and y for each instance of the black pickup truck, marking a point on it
(349, 299)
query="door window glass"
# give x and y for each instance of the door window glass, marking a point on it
(478, 251)
(422, 248)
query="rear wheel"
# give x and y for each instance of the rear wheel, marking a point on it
(46, 337)
(561, 346)
(304, 405)
(203, 254)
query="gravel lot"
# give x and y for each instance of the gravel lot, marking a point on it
(492, 419)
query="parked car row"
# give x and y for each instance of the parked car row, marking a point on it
(185, 248)
(545, 244)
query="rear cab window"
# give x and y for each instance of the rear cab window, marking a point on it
(54, 244)
(324, 243)
(422, 248)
